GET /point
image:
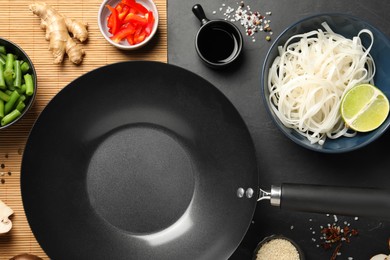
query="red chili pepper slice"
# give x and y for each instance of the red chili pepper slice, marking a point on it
(113, 21)
(130, 39)
(123, 10)
(149, 26)
(119, 7)
(140, 37)
(137, 6)
(134, 18)
(123, 33)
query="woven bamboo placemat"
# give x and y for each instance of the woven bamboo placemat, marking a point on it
(18, 24)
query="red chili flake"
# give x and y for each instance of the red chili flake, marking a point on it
(337, 236)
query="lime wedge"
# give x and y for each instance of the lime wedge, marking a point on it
(364, 108)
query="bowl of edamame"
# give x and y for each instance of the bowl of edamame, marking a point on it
(18, 83)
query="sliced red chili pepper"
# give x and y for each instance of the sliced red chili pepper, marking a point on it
(109, 22)
(130, 39)
(137, 6)
(137, 32)
(113, 23)
(149, 26)
(131, 21)
(134, 18)
(123, 33)
(119, 7)
(122, 10)
(141, 36)
(127, 2)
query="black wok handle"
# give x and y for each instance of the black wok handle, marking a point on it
(336, 200)
(199, 13)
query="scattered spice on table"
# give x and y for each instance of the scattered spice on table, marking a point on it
(252, 21)
(335, 236)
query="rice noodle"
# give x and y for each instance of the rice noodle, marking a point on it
(310, 76)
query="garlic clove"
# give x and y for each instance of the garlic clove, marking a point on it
(5, 222)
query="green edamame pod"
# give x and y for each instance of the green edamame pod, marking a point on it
(11, 102)
(10, 117)
(29, 84)
(2, 49)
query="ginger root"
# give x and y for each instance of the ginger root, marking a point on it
(62, 32)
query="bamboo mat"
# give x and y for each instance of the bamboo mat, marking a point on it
(18, 24)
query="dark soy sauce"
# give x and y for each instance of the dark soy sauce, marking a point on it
(217, 44)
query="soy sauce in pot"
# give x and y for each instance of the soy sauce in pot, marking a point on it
(217, 44)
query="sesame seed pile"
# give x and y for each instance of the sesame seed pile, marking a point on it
(277, 249)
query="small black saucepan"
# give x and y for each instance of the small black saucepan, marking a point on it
(218, 42)
(145, 160)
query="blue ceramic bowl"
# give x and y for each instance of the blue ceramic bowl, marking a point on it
(348, 26)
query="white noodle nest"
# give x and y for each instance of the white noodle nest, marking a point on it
(310, 76)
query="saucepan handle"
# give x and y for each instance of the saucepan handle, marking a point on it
(333, 199)
(199, 13)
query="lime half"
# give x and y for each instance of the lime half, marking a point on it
(364, 108)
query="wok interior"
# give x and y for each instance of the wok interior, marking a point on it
(173, 132)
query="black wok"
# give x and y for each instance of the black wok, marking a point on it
(144, 160)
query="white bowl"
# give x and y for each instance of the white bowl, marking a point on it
(104, 12)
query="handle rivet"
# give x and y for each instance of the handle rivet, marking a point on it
(249, 193)
(240, 192)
